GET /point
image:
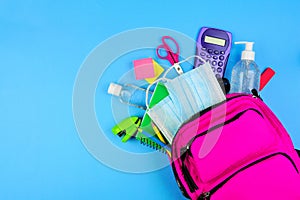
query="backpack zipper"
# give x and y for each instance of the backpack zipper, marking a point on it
(207, 195)
(237, 116)
(183, 190)
(186, 174)
(185, 151)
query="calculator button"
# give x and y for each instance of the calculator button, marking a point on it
(214, 63)
(220, 64)
(208, 56)
(214, 69)
(209, 50)
(199, 64)
(216, 52)
(219, 69)
(221, 57)
(202, 54)
(203, 48)
(222, 52)
(208, 61)
(218, 75)
(215, 57)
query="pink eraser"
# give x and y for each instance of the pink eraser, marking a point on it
(144, 68)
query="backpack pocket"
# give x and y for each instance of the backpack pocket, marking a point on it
(224, 148)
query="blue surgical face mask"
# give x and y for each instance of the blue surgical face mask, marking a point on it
(194, 91)
(166, 117)
(184, 95)
(189, 93)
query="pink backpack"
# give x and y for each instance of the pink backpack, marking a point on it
(237, 149)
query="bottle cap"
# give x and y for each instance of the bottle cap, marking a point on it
(248, 53)
(114, 89)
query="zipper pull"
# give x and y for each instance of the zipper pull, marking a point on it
(205, 196)
(185, 151)
(255, 94)
(188, 150)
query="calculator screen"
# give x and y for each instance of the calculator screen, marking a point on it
(213, 40)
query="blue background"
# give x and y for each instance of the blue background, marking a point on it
(42, 45)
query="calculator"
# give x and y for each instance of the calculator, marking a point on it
(213, 45)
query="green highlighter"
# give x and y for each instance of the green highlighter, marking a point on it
(159, 93)
(127, 128)
(130, 127)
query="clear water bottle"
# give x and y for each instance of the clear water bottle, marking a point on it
(245, 74)
(129, 94)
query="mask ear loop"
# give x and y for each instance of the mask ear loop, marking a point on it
(163, 78)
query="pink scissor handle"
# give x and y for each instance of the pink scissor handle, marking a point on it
(171, 56)
(164, 41)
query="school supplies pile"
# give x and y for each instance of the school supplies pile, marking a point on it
(222, 139)
(189, 93)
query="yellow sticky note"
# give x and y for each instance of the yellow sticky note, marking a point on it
(158, 70)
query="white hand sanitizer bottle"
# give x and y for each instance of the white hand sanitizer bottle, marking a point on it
(245, 74)
(128, 94)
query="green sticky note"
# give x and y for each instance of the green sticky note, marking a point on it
(159, 93)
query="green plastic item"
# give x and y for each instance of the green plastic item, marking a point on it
(130, 127)
(159, 93)
(127, 128)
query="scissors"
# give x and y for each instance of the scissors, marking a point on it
(171, 56)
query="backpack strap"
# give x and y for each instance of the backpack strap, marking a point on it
(298, 151)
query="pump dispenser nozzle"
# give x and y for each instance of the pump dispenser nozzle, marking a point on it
(245, 74)
(248, 53)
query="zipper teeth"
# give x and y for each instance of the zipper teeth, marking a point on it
(190, 181)
(212, 191)
(186, 174)
(179, 181)
(237, 116)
